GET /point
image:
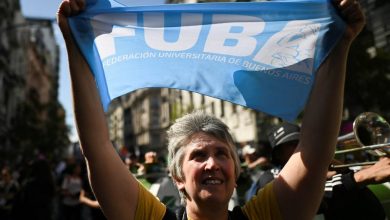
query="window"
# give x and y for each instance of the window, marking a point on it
(222, 103)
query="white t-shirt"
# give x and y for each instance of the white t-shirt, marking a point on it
(73, 185)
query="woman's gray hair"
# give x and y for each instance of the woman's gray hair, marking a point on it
(180, 133)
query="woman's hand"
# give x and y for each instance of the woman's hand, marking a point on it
(353, 15)
(66, 9)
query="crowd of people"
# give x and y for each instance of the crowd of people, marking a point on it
(293, 182)
(44, 191)
(41, 189)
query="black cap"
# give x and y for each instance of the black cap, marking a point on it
(283, 133)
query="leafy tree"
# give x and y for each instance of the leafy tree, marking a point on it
(38, 129)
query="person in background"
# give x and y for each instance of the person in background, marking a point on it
(71, 187)
(87, 198)
(202, 157)
(84, 199)
(151, 168)
(8, 190)
(251, 158)
(133, 165)
(37, 192)
(90, 208)
(254, 166)
(346, 195)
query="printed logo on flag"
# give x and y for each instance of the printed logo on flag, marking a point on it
(261, 55)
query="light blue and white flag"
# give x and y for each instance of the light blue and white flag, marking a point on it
(262, 55)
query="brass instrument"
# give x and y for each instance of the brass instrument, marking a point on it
(371, 133)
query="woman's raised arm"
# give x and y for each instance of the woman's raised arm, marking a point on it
(299, 187)
(114, 187)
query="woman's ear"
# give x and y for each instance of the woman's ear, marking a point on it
(179, 183)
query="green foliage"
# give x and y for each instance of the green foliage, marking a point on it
(37, 129)
(175, 112)
(178, 110)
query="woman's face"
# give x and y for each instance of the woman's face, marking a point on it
(208, 170)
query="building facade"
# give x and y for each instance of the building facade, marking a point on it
(29, 72)
(13, 64)
(138, 121)
(378, 21)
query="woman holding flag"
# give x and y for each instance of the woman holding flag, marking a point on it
(203, 159)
